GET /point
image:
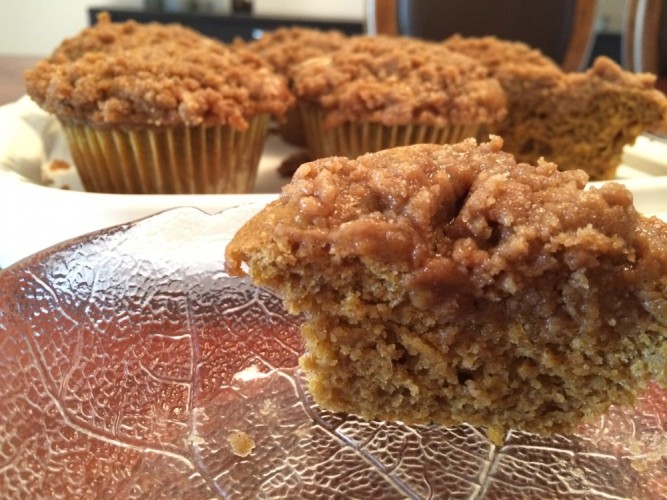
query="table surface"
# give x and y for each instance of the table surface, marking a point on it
(12, 68)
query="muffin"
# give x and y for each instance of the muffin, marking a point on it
(576, 120)
(379, 92)
(283, 49)
(159, 109)
(449, 284)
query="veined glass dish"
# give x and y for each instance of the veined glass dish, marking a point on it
(134, 367)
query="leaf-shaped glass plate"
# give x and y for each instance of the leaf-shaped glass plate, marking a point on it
(129, 362)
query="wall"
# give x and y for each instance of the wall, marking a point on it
(339, 9)
(610, 15)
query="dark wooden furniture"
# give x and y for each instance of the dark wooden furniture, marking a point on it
(562, 29)
(226, 27)
(645, 36)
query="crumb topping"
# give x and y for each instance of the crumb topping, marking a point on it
(398, 81)
(241, 444)
(285, 47)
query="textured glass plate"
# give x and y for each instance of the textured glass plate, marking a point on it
(128, 358)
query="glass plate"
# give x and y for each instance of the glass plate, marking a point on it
(132, 366)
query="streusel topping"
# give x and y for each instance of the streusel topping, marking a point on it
(398, 81)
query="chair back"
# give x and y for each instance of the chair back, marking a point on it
(561, 29)
(644, 46)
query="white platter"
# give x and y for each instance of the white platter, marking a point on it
(35, 212)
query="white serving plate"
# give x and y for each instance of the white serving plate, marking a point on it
(36, 212)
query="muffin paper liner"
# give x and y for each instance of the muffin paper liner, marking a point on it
(168, 160)
(355, 139)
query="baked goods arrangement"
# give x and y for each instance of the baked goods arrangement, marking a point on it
(451, 284)
(162, 109)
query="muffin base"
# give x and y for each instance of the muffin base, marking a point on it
(356, 139)
(167, 160)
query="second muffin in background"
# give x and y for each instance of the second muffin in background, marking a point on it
(185, 115)
(284, 49)
(579, 120)
(379, 92)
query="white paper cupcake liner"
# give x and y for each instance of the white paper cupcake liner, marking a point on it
(168, 160)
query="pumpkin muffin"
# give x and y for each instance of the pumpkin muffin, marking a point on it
(159, 109)
(576, 120)
(285, 48)
(449, 284)
(379, 92)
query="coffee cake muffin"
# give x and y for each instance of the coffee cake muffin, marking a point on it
(283, 49)
(378, 92)
(159, 109)
(452, 284)
(576, 120)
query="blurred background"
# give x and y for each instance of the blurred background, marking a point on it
(35, 27)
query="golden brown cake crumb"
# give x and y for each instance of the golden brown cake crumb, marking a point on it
(242, 444)
(495, 53)
(576, 120)
(58, 164)
(452, 284)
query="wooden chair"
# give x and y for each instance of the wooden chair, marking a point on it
(561, 29)
(645, 37)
